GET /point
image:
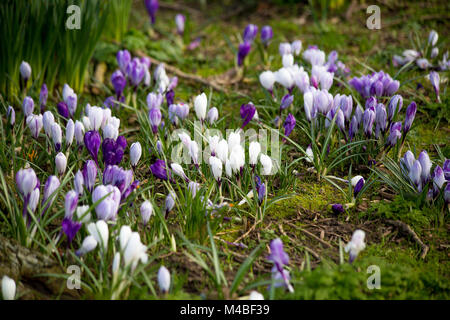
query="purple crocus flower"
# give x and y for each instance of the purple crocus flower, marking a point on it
(395, 105)
(368, 120)
(410, 114)
(63, 110)
(136, 72)
(415, 173)
(152, 7)
(92, 141)
(50, 187)
(70, 203)
(243, 51)
(354, 127)
(155, 116)
(337, 208)
(194, 44)
(128, 190)
(359, 185)
(279, 259)
(260, 189)
(286, 101)
(119, 82)
(446, 168)
(266, 35)
(395, 133)
(89, 174)
(123, 59)
(371, 103)
(180, 21)
(380, 119)
(159, 169)
(70, 228)
(289, 125)
(447, 194)
(438, 180)
(170, 94)
(426, 164)
(247, 112)
(250, 33)
(43, 95)
(113, 150)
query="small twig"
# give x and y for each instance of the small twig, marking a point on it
(310, 234)
(315, 255)
(408, 230)
(248, 232)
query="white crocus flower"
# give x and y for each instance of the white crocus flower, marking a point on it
(216, 168)
(8, 288)
(99, 230)
(200, 104)
(254, 150)
(266, 163)
(164, 279)
(356, 244)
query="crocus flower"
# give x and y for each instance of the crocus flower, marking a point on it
(200, 105)
(296, 47)
(11, 115)
(26, 181)
(438, 180)
(8, 286)
(267, 79)
(92, 142)
(57, 136)
(48, 119)
(266, 35)
(70, 99)
(79, 132)
(260, 189)
(254, 150)
(426, 164)
(247, 112)
(266, 163)
(213, 115)
(27, 106)
(123, 59)
(136, 72)
(179, 21)
(359, 185)
(337, 208)
(289, 124)
(410, 114)
(159, 169)
(433, 38)
(89, 244)
(89, 174)
(284, 77)
(434, 79)
(135, 153)
(216, 168)
(243, 51)
(108, 207)
(152, 7)
(113, 150)
(119, 82)
(155, 116)
(446, 169)
(380, 118)
(146, 211)
(255, 295)
(178, 170)
(279, 259)
(43, 95)
(63, 110)
(133, 250)
(164, 279)
(50, 187)
(356, 245)
(78, 182)
(169, 203)
(286, 101)
(25, 71)
(408, 160)
(99, 230)
(434, 52)
(368, 118)
(415, 173)
(395, 133)
(284, 48)
(61, 163)
(250, 32)
(70, 131)
(70, 204)
(35, 124)
(70, 228)
(395, 105)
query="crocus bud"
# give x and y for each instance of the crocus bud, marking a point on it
(43, 95)
(136, 71)
(178, 170)
(169, 203)
(26, 181)
(95, 118)
(179, 22)
(284, 48)
(395, 105)
(381, 117)
(284, 77)
(25, 71)
(368, 118)
(410, 114)
(79, 132)
(356, 245)
(296, 47)
(123, 59)
(146, 211)
(247, 112)
(337, 208)
(35, 124)
(89, 244)
(70, 228)
(213, 115)
(438, 180)
(107, 208)
(135, 153)
(288, 60)
(56, 136)
(267, 79)
(254, 150)
(61, 163)
(70, 131)
(290, 122)
(119, 82)
(89, 174)
(266, 163)
(8, 284)
(266, 35)
(164, 279)
(446, 169)
(243, 51)
(250, 33)
(255, 295)
(434, 52)
(27, 106)
(79, 182)
(286, 101)
(408, 160)
(434, 79)
(155, 116)
(83, 215)
(159, 169)
(216, 168)
(359, 185)
(11, 115)
(447, 194)
(152, 7)
(414, 174)
(200, 105)
(395, 133)
(48, 119)
(70, 203)
(193, 188)
(426, 164)
(50, 187)
(433, 38)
